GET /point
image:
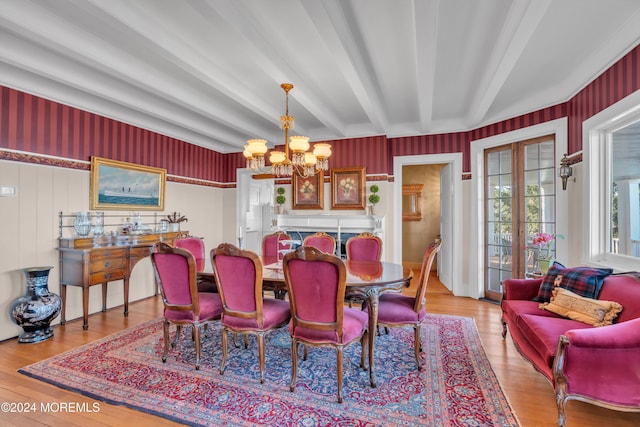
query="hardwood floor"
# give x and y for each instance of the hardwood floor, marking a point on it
(529, 393)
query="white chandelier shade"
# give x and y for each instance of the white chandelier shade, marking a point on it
(296, 156)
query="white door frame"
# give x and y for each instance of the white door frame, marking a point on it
(455, 160)
(556, 127)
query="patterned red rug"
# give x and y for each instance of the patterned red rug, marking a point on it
(456, 386)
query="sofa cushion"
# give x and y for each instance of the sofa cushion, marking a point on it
(543, 332)
(584, 281)
(516, 308)
(587, 310)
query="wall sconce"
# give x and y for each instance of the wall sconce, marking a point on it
(565, 171)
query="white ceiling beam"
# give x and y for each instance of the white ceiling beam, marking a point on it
(522, 20)
(274, 64)
(349, 54)
(426, 40)
(96, 75)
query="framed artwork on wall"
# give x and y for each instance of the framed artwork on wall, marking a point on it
(308, 193)
(347, 188)
(119, 185)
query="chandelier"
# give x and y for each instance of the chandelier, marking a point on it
(304, 162)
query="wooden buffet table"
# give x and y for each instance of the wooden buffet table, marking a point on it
(91, 261)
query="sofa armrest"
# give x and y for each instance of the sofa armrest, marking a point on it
(520, 289)
(599, 365)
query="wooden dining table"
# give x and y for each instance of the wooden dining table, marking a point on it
(366, 280)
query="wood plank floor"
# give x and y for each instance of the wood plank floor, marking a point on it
(529, 393)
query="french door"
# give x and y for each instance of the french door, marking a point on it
(519, 202)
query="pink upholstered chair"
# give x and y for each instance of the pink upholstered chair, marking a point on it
(395, 309)
(364, 247)
(271, 245)
(238, 274)
(195, 245)
(322, 241)
(175, 271)
(316, 284)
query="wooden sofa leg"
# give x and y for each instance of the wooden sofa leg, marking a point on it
(559, 380)
(504, 329)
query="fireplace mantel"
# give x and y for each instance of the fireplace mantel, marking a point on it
(333, 224)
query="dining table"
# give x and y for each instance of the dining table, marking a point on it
(366, 280)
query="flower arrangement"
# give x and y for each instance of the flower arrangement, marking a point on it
(347, 184)
(176, 218)
(544, 243)
(307, 188)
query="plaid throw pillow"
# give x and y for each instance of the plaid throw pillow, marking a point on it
(584, 281)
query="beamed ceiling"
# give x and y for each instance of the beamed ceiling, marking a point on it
(209, 71)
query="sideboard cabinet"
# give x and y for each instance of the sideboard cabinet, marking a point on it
(90, 261)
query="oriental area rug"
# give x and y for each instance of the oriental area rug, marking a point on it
(456, 386)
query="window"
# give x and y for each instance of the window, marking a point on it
(612, 193)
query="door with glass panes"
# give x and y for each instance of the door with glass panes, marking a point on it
(519, 202)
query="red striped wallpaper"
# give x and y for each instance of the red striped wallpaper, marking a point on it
(620, 80)
(35, 125)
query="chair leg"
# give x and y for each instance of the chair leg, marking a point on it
(175, 339)
(363, 345)
(306, 352)
(339, 369)
(166, 341)
(417, 344)
(261, 356)
(225, 342)
(294, 364)
(196, 339)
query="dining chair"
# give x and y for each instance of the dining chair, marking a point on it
(175, 271)
(238, 274)
(272, 244)
(195, 245)
(364, 247)
(316, 283)
(396, 310)
(321, 240)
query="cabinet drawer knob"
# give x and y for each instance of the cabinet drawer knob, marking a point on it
(107, 264)
(106, 276)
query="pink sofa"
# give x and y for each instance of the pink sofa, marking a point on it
(598, 365)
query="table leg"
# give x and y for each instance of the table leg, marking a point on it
(85, 308)
(126, 297)
(63, 297)
(372, 306)
(104, 297)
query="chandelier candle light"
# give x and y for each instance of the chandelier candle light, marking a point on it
(302, 161)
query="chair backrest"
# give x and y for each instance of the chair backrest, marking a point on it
(316, 284)
(195, 245)
(425, 272)
(238, 275)
(175, 271)
(364, 247)
(320, 240)
(271, 244)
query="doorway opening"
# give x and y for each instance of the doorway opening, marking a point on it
(449, 217)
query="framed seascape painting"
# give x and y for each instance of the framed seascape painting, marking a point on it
(308, 192)
(347, 188)
(119, 185)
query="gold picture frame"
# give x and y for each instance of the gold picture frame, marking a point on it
(117, 185)
(411, 202)
(347, 188)
(308, 192)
